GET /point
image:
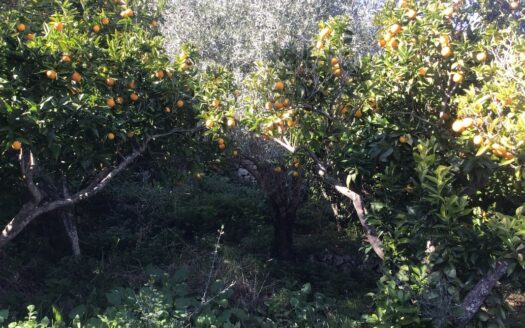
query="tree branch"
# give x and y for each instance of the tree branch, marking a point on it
(32, 210)
(357, 200)
(477, 296)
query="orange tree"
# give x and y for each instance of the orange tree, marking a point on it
(425, 139)
(85, 87)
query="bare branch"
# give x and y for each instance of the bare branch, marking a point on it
(33, 210)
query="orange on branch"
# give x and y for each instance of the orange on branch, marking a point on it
(180, 103)
(231, 122)
(458, 77)
(134, 97)
(59, 26)
(481, 57)
(110, 102)
(279, 86)
(51, 74)
(16, 145)
(96, 28)
(20, 27)
(446, 52)
(76, 77)
(395, 29)
(105, 21)
(110, 82)
(111, 136)
(458, 126)
(411, 14)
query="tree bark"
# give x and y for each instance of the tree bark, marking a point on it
(283, 233)
(477, 296)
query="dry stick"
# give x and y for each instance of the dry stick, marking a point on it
(34, 209)
(212, 268)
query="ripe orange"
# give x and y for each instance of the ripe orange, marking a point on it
(468, 122)
(167, 110)
(358, 114)
(51, 74)
(110, 102)
(16, 145)
(458, 77)
(59, 26)
(66, 59)
(478, 140)
(279, 86)
(393, 43)
(337, 72)
(220, 141)
(209, 123)
(222, 146)
(20, 27)
(170, 74)
(96, 28)
(508, 101)
(403, 139)
(105, 21)
(111, 136)
(481, 57)
(457, 126)
(446, 52)
(381, 43)
(279, 105)
(277, 169)
(422, 71)
(127, 13)
(387, 36)
(290, 123)
(508, 156)
(120, 100)
(325, 32)
(444, 40)
(334, 61)
(185, 66)
(159, 74)
(216, 103)
(444, 116)
(134, 97)
(514, 5)
(268, 105)
(110, 82)
(231, 122)
(395, 29)
(286, 102)
(235, 153)
(30, 37)
(132, 84)
(180, 103)
(295, 174)
(154, 24)
(76, 77)
(411, 14)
